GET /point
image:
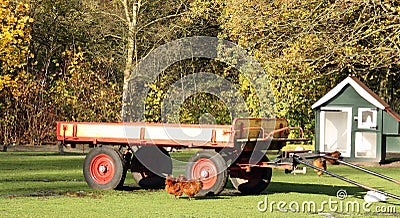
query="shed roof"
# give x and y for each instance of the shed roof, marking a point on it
(362, 90)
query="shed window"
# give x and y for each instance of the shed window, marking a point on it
(367, 118)
(365, 144)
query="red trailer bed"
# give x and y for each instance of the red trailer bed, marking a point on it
(237, 150)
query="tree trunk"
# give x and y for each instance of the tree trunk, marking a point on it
(132, 21)
(60, 147)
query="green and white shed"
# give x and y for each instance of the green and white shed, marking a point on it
(352, 119)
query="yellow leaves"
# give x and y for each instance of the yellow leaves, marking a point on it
(21, 8)
(5, 82)
(4, 4)
(75, 65)
(204, 8)
(14, 35)
(84, 94)
(18, 86)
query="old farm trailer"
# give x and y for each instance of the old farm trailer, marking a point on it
(236, 150)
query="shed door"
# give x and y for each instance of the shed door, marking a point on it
(335, 130)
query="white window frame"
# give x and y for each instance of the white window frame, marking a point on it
(359, 138)
(374, 122)
(349, 111)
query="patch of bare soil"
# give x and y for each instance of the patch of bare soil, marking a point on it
(44, 148)
(390, 164)
(392, 161)
(50, 193)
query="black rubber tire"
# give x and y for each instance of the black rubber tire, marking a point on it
(253, 182)
(150, 166)
(221, 167)
(125, 164)
(117, 167)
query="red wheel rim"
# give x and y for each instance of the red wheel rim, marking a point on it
(102, 169)
(205, 170)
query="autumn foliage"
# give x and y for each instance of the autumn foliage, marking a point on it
(33, 98)
(67, 60)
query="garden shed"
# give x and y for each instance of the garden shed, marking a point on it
(352, 119)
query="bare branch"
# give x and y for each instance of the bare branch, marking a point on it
(114, 15)
(113, 36)
(125, 5)
(160, 19)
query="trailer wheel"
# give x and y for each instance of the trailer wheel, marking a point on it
(104, 169)
(211, 168)
(253, 182)
(150, 167)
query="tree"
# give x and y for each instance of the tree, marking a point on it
(38, 94)
(14, 52)
(15, 36)
(84, 94)
(307, 47)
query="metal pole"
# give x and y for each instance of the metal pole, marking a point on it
(346, 179)
(363, 169)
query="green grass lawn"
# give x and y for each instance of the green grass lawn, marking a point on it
(45, 184)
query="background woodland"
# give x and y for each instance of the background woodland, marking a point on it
(70, 60)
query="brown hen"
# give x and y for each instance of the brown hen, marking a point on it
(191, 188)
(180, 185)
(321, 163)
(335, 154)
(173, 187)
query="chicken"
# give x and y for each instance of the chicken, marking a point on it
(173, 187)
(181, 178)
(191, 188)
(335, 154)
(180, 185)
(321, 163)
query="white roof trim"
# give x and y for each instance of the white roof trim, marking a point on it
(360, 90)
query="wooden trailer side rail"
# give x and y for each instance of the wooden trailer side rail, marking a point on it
(145, 134)
(242, 130)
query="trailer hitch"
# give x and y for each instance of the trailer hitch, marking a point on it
(301, 160)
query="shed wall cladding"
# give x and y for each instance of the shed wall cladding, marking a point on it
(391, 130)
